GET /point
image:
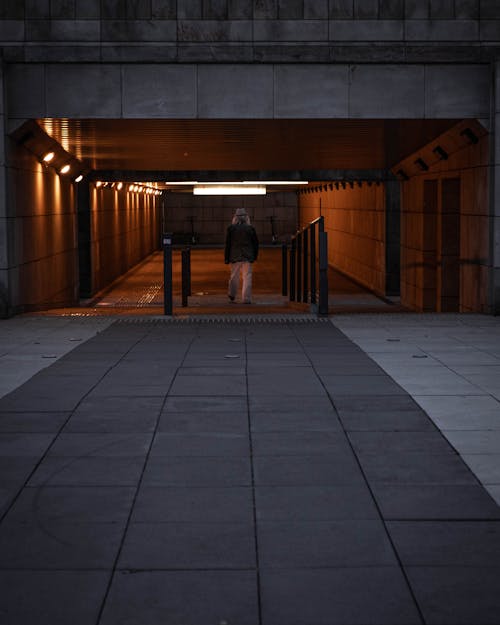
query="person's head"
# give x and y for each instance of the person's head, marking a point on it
(241, 216)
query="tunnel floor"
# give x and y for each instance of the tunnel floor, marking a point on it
(140, 291)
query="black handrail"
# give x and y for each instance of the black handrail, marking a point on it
(308, 258)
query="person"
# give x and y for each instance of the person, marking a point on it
(241, 250)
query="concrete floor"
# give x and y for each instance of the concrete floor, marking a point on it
(140, 291)
(249, 471)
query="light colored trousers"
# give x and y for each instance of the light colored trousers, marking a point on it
(243, 268)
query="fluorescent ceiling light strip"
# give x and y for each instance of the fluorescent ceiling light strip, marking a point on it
(238, 183)
(229, 190)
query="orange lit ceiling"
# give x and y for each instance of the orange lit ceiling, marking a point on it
(241, 145)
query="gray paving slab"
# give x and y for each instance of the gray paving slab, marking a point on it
(446, 543)
(337, 386)
(195, 545)
(14, 470)
(88, 471)
(473, 412)
(486, 467)
(24, 444)
(189, 471)
(401, 467)
(300, 470)
(298, 443)
(213, 504)
(205, 404)
(293, 421)
(232, 422)
(337, 596)
(457, 595)
(308, 503)
(67, 546)
(353, 543)
(287, 405)
(32, 422)
(101, 444)
(82, 504)
(203, 444)
(56, 597)
(410, 442)
(193, 596)
(294, 381)
(411, 501)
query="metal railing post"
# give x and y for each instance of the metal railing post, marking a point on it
(323, 273)
(167, 273)
(293, 250)
(313, 264)
(186, 275)
(284, 268)
(305, 275)
(299, 267)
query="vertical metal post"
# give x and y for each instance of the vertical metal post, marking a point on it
(305, 275)
(323, 273)
(293, 249)
(167, 273)
(186, 275)
(313, 264)
(299, 267)
(284, 272)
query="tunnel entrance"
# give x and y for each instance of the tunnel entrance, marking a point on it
(403, 202)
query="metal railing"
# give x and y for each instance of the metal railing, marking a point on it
(305, 275)
(167, 239)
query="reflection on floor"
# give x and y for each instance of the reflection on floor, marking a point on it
(140, 291)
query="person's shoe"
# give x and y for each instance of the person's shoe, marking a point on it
(231, 298)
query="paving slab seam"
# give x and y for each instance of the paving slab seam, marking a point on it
(374, 499)
(254, 500)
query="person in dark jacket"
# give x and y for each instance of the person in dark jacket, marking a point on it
(242, 249)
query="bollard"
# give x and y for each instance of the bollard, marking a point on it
(313, 264)
(186, 275)
(167, 273)
(323, 273)
(305, 274)
(292, 271)
(284, 272)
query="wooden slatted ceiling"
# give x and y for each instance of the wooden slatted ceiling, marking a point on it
(263, 144)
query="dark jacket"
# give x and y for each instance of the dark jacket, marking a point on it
(241, 243)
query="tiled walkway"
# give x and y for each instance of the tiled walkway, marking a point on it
(246, 473)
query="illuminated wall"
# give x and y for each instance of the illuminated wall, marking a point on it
(125, 228)
(355, 223)
(212, 215)
(43, 265)
(444, 233)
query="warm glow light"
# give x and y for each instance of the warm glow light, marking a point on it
(119, 186)
(64, 169)
(48, 157)
(130, 187)
(98, 183)
(229, 190)
(79, 178)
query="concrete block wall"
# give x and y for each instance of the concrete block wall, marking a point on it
(264, 31)
(125, 228)
(355, 222)
(421, 253)
(43, 258)
(212, 215)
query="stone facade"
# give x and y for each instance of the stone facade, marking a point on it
(246, 31)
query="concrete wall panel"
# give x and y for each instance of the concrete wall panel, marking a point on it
(83, 91)
(457, 91)
(386, 91)
(311, 91)
(25, 88)
(235, 91)
(159, 91)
